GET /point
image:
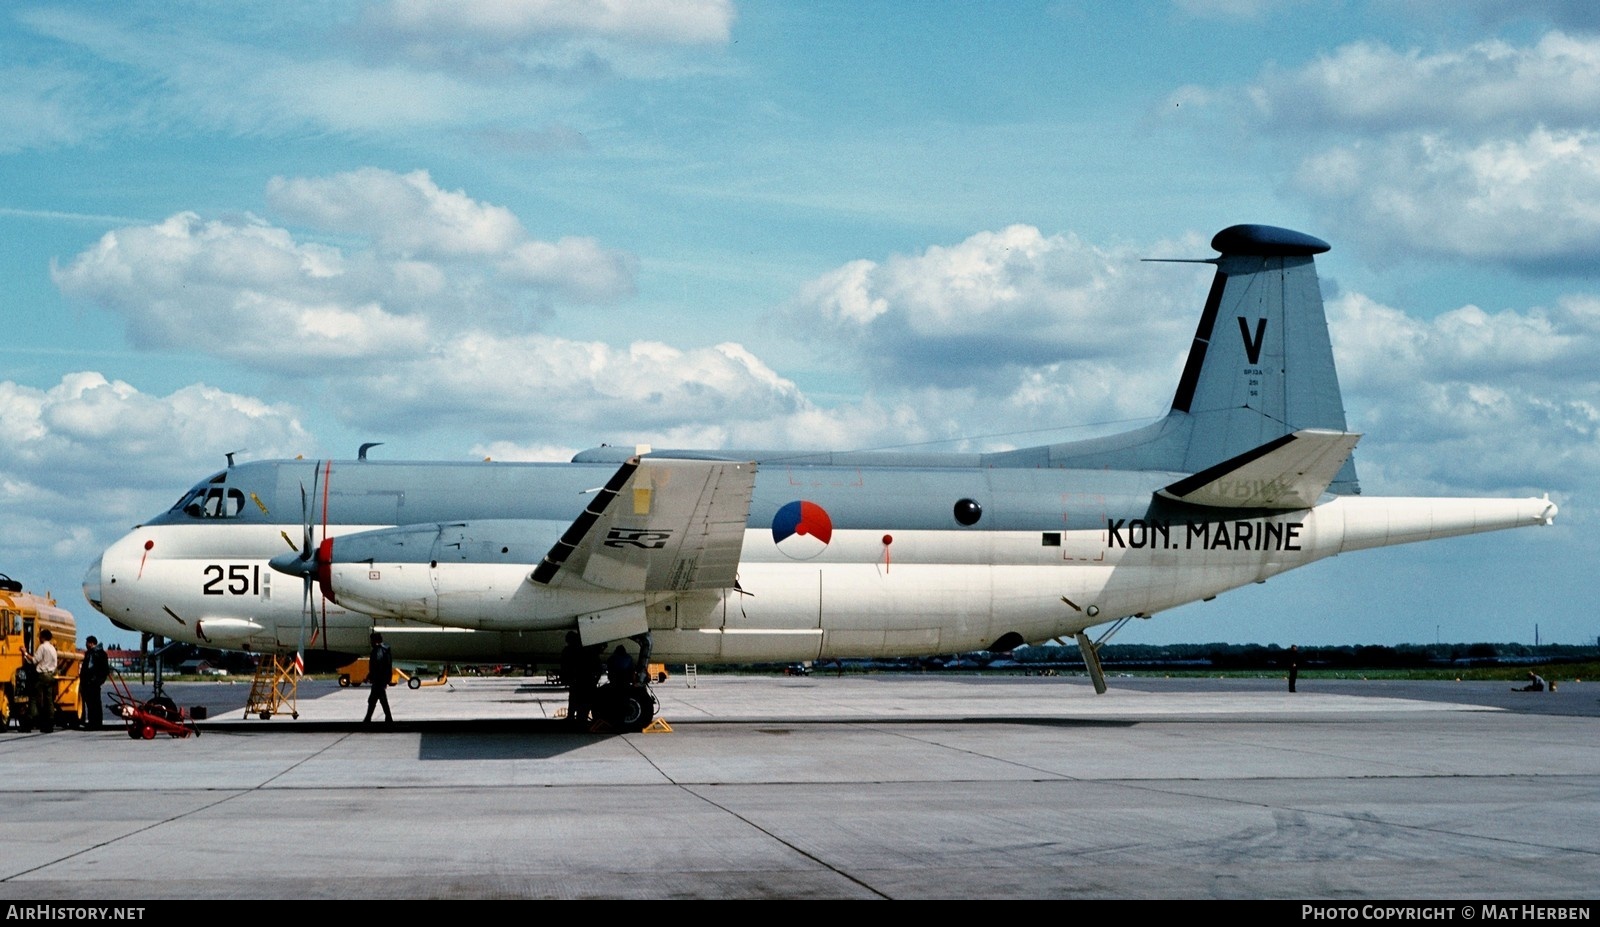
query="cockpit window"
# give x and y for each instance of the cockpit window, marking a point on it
(211, 502)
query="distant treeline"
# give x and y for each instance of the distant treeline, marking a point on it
(1347, 656)
(1218, 656)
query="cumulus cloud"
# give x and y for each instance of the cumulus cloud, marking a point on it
(1524, 202)
(1495, 402)
(410, 327)
(1013, 329)
(1368, 86)
(405, 214)
(89, 456)
(88, 430)
(1486, 153)
(535, 384)
(1000, 301)
(249, 291)
(577, 267)
(238, 289)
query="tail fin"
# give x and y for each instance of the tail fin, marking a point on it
(1261, 367)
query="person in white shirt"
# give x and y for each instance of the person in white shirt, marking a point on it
(45, 661)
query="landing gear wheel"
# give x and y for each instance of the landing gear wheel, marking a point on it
(635, 713)
(629, 709)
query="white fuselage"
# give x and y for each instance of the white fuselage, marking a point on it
(922, 592)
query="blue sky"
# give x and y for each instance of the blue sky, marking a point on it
(518, 229)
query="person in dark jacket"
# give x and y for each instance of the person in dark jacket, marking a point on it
(380, 672)
(580, 670)
(96, 670)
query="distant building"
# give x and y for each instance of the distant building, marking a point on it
(200, 668)
(124, 661)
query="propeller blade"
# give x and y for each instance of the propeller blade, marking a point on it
(305, 567)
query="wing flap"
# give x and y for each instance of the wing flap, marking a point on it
(1291, 472)
(659, 524)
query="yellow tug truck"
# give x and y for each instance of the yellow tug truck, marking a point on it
(22, 616)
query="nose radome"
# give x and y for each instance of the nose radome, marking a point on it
(91, 585)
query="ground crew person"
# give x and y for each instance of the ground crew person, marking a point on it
(619, 669)
(45, 661)
(380, 672)
(96, 669)
(580, 670)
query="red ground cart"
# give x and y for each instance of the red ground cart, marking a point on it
(148, 717)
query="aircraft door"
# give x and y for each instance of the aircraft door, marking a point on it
(1083, 523)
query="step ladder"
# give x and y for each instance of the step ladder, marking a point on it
(275, 686)
(690, 675)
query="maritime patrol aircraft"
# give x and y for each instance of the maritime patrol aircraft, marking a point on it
(733, 556)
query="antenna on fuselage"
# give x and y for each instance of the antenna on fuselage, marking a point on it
(362, 454)
(230, 454)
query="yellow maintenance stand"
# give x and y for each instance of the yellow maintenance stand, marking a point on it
(22, 616)
(275, 688)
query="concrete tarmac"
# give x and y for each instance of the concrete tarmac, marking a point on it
(855, 787)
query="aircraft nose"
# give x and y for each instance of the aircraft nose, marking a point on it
(91, 585)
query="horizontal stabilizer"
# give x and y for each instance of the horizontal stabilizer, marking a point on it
(659, 525)
(1291, 472)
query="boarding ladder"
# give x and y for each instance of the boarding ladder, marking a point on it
(276, 685)
(690, 675)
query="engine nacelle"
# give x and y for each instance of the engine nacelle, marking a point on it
(460, 574)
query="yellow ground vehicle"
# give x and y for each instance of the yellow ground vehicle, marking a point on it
(22, 616)
(354, 673)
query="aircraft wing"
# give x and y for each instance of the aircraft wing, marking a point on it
(1291, 472)
(659, 524)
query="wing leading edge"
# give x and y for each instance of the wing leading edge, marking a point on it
(658, 525)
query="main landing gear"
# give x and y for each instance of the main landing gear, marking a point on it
(626, 708)
(624, 703)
